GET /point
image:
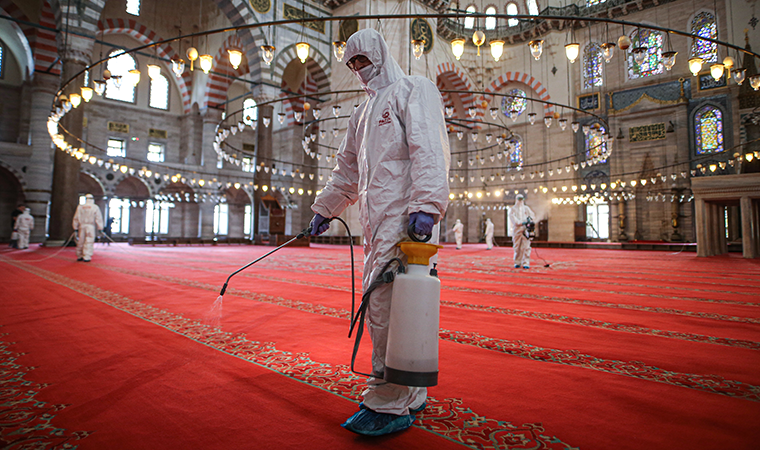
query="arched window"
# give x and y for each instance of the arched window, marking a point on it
(515, 158)
(469, 22)
(652, 64)
(592, 66)
(512, 10)
(159, 92)
(250, 111)
(595, 145)
(491, 21)
(708, 124)
(703, 25)
(120, 88)
(220, 219)
(133, 7)
(515, 100)
(595, 2)
(2, 59)
(118, 210)
(532, 6)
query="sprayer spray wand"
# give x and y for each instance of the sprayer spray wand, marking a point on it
(301, 235)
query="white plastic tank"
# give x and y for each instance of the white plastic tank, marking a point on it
(412, 352)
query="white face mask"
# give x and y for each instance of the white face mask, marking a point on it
(366, 74)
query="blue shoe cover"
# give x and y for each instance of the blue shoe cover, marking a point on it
(526, 267)
(418, 409)
(370, 423)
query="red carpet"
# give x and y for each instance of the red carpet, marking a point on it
(604, 349)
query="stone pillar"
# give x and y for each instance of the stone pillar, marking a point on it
(137, 222)
(209, 158)
(65, 198)
(40, 174)
(701, 216)
(675, 217)
(622, 237)
(207, 219)
(749, 228)
(263, 155)
(236, 220)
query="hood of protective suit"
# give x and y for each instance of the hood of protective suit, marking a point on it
(371, 44)
(89, 201)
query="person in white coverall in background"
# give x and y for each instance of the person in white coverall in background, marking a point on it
(458, 232)
(520, 215)
(489, 234)
(23, 226)
(394, 160)
(88, 220)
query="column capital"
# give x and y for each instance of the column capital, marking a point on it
(77, 49)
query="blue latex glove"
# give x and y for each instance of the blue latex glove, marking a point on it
(319, 225)
(423, 222)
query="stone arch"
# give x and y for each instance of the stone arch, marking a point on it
(218, 82)
(89, 183)
(525, 78)
(238, 12)
(133, 188)
(19, 43)
(317, 65)
(238, 196)
(11, 195)
(19, 176)
(144, 35)
(83, 17)
(449, 76)
(316, 80)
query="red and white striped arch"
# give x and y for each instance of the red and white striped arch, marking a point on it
(525, 78)
(144, 35)
(42, 42)
(308, 87)
(449, 74)
(220, 79)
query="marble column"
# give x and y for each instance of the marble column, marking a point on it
(263, 155)
(675, 217)
(236, 220)
(206, 211)
(40, 174)
(209, 158)
(700, 213)
(750, 230)
(137, 222)
(65, 198)
(622, 222)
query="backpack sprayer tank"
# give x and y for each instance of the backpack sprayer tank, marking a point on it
(412, 351)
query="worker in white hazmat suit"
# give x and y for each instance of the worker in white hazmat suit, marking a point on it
(521, 215)
(489, 234)
(23, 226)
(458, 233)
(394, 161)
(88, 220)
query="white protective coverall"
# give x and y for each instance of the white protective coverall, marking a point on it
(87, 219)
(24, 225)
(518, 214)
(458, 232)
(489, 234)
(394, 160)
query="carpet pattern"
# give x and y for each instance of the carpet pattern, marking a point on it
(599, 345)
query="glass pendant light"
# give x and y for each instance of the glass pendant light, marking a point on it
(562, 124)
(472, 111)
(571, 51)
(154, 71)
(76, 99)
(100, 86)
(608, 50)
(178, 66)
(267, 121)
(639, 54)
(335, 132)
(281, 117)
(548, 121)
(192, 55)
(497, 49)
(716, 70)
(87, 93)
(267, 54)
(532, 118)
(494, 113)
(206, 62)
(536, 48)
(513, 114)
(336, 110)
(460, 135)
(624, 42)
(302, 50)
(236, 57)
(474, 135)
(317, 113)
(695, 65)
(339, 50)
(298, 115)
(669, 59)
(754, 81)
(418, 48)
(449, 111)
(740, 75)
(575, 126)
(134, 77)
(478, 38)
(457, 47)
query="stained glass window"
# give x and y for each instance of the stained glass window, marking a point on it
(595, 2)
(595, 145)
(515, 158)
(515, 100)
(490, 21)
(512, 10)
(592, 66)
(703, 25)
(469, 22)
(652, 64)
(708, 124)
